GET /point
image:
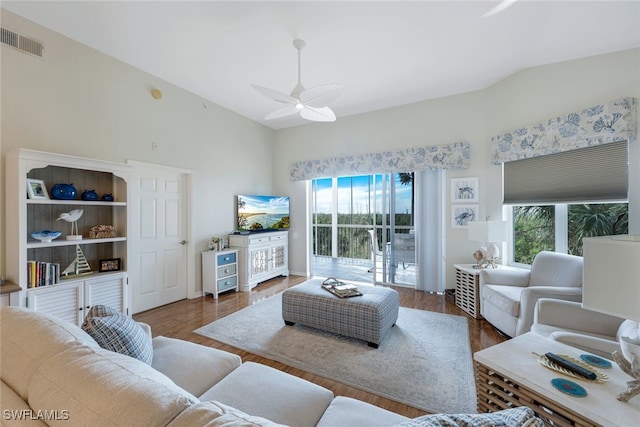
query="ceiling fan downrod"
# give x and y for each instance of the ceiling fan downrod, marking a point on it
(299, 45)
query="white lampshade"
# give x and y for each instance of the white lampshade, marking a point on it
(611, 275)
(487, 231)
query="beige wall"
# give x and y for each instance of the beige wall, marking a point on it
(81, 102)
(525, 98)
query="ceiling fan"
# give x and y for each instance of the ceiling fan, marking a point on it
(311, 103)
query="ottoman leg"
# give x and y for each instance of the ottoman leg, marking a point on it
(372, 344)
(289, 323)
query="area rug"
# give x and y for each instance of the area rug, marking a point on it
(424, 361)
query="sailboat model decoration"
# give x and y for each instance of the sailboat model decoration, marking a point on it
(79, 266)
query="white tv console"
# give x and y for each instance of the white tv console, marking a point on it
(261, 256)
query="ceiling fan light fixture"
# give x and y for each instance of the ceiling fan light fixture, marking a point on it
(310, 104)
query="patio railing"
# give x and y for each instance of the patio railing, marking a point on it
(353, 240)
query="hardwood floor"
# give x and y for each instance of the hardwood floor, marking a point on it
(179, 319)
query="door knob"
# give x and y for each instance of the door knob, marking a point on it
(184, 242)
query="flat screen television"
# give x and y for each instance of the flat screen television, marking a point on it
(263, 213)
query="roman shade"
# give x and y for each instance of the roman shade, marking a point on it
(592, 174)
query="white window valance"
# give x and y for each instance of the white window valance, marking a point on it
(601, 124)
(449, 156)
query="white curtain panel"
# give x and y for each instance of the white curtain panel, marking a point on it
(430, 230)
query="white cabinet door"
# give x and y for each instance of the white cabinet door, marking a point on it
(279, 257)
(258, 262)
(109, 290)
(71, 300)
(63, 301)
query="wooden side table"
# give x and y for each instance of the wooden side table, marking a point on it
(508, 375)
(468, 289)
(6, 290)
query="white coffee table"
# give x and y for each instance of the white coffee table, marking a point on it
(508, 374)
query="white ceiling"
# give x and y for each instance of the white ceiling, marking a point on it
(386, 53)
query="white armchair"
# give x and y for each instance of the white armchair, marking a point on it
(569, 323)
(508, 296)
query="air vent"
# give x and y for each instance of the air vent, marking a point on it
(22, 43)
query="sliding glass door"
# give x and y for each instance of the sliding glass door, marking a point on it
(395, 228)
(366, 221)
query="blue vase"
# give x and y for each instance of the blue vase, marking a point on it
(64, 192)
(89, 195)
(107, 197)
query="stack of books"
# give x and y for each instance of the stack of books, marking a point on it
(340, 289)
(42, 274)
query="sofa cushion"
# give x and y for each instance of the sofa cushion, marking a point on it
(28, 338)
(267, 392)
(522, 416)
(345, 411)
(194, 367)
(506, 298)
(216, 414)
(16, 412)
(99, 387)
(119, 333)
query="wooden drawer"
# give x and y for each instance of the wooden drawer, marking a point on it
(227, 283)
(228, 258)
(226, 270)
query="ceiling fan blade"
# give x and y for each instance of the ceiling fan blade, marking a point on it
(282, 112)
(321, 96)
(499, 8)
(275, 95)
(324, 114)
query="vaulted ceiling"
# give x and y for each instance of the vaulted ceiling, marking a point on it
(385, 53)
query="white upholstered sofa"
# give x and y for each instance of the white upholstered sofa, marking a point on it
(54, 373)
(508, 296)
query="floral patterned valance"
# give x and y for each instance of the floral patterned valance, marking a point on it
(448, 156)
(601, 124)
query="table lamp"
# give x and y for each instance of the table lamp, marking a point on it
(611, 285)
(488, 232)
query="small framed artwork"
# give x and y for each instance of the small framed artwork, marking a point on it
(111, 264)
(462, 215)
(36, 189)
(464, 190)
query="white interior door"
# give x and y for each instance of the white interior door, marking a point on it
(159, 246)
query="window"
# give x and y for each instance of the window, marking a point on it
(561, 227)
(559, 199)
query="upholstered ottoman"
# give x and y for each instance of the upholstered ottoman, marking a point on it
(367, 317)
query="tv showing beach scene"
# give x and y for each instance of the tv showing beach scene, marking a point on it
(263, 213)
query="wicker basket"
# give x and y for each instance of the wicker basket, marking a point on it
(102, 232)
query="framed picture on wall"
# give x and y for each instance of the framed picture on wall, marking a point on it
(36, 189)
(464, 190)
(462, 215)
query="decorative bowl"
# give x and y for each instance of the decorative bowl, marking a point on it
(46, 236)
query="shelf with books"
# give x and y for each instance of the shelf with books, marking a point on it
(33, 211)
